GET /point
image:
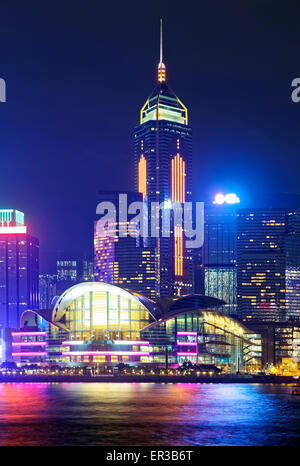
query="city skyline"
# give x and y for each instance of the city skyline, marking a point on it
(63, 122)
(149, 226)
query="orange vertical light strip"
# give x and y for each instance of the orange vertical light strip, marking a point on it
(177, 180)
(180, 177)
(178, 195)
(142, 169)
(172, 179)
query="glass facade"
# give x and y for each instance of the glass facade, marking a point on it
(205, 337)
(93, 323)
(101, 316)
(123, 260)
(163, 174)
(268, 253)
(19, 268)
(220, 268)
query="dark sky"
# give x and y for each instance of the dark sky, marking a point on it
(77, 74)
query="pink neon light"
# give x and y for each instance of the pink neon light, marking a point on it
(35, 353)
(131, 342)
(16, 334)
(105, 353)
(72, 342)
(28, 343)
(186, 333)
(13, 230)
(186, 354)
(187, 343)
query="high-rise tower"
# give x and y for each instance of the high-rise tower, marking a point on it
(19, 268)
(163, 173)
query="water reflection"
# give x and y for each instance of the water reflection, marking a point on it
(148, 414)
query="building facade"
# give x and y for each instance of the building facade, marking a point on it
(123, 260)
(220, 255)
(268, 255)
(99, 323)
(19, 268)
(163, 175)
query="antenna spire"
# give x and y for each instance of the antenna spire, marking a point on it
(161, 41)
(161, 66)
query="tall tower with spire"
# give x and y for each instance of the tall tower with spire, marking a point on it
(163, 174)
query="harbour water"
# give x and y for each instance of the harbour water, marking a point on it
(114, 414)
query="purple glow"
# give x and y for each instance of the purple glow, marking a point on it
(186, 354)
(187, 343)
(28, 343)
(131, 342)
(16, 334)
(186, 333)
(36, 353)
(105, 353)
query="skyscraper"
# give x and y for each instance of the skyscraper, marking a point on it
(220, 275)
(268, 271)
(19, 268)
(124, 261)
(163, 174)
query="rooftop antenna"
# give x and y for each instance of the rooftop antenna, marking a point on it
(161, 66)
(161, 42)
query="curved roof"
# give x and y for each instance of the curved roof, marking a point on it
(172, 307)
(81, 288)
(46, 314)
(162, 308)
(214, 318)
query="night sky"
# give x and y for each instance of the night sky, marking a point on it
(77, 74)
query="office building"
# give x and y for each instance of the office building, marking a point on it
(123, 260)
(163, 174)
(268, 267)
(220, 254)
(19, 268)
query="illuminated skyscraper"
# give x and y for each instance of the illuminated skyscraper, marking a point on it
(268, 264)
(123, 261)
(163, 173)
(19, 268)
(220, 255)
